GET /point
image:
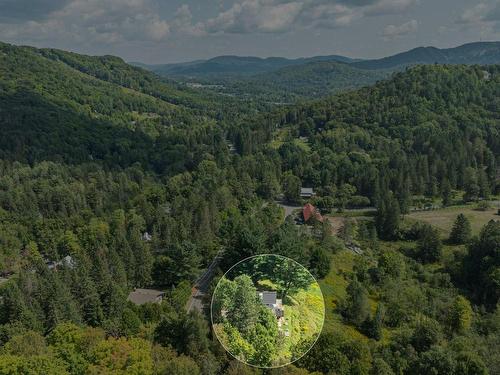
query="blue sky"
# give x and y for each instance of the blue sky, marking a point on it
(155, 31)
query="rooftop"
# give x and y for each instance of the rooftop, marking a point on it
(309, 211)
(306, 191)
(142, 296)
(268, 298)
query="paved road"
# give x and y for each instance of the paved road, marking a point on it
(201, 285)
(288, 208)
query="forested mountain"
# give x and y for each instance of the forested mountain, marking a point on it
(62, 106)
(113, 179)
(482, 53)
(445, 123)
(236, 66)
(279, 80)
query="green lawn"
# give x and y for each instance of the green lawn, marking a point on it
(443, 218)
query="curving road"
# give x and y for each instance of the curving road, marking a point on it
(201, 285)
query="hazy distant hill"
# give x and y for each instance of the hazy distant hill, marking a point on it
(482, 53)
(278, 79)
(235, 65)
(308, 81)
(230, 66)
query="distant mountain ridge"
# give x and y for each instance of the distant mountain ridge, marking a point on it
(482, 53)
(281, 80)
(237, 65)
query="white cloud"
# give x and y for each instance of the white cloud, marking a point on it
(474, 15)
(102, 21)
(394, 31)
(248, 16)
(254, 16)
(484, 16)
(389, 7)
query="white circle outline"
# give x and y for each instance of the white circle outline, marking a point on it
(319, 332)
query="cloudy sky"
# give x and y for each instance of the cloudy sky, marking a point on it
(161, 31)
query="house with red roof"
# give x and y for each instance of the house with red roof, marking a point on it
(310, 212)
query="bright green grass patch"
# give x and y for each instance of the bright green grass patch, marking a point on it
(334, 287)
(443, 218)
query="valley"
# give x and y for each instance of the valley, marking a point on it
(148, 183)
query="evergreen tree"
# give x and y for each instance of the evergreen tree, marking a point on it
(319, 262)
(375, 325)
(484, 184)
(291, 187)
(461, 230)
(471, 186)
(387, 217)
(446, 192)
(356, 307)
(428, 244)
(482, 265)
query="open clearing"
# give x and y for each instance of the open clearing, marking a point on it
(443, 218)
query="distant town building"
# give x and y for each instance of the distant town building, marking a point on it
(306, 192)
(142, 296)
(269, 300)
(310, 212)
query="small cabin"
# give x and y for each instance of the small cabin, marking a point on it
(270, 300)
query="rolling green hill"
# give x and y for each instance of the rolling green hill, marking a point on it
(62, 106)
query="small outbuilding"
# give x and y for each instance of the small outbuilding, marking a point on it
(142, 296)
(306, 192)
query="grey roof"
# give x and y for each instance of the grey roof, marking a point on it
(305, 190)
(141, 296)
(269, 298)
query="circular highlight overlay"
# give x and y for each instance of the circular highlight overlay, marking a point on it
(267, 311)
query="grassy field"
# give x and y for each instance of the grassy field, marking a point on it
(334, 287)
(443, 218)
(308, 311)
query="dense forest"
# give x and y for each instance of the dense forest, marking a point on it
(290, 84)
(113, 179)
